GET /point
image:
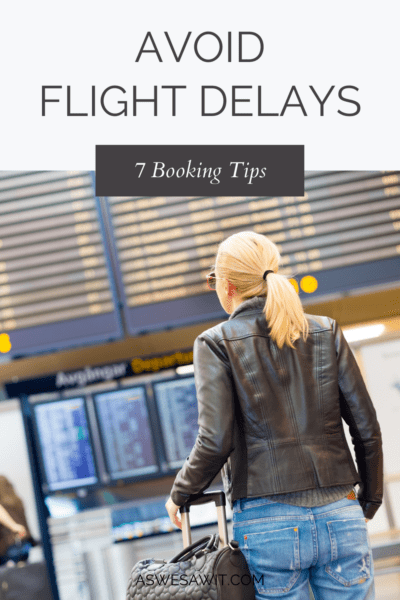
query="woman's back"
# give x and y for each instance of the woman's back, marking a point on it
(284, 406)
(279, 389)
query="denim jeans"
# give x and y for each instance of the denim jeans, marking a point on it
(287, 547)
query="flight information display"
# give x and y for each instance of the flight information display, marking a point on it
(76, 269)
(65, 445)
(55, 285)
(344, 233)
(126, 434)
(177, 405)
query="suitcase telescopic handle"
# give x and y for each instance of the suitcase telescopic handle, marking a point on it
(203, 498)
(218, 498)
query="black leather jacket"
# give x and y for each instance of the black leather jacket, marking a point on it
(272, 419)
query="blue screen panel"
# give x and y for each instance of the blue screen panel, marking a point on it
(65, 445)
(126, 433)
(177, 406)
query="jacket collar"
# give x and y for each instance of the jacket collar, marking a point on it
(255, 304)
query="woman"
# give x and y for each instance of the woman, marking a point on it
(13, 525)
(273, 385)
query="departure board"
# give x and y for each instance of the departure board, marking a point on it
(125, 432)
(344, 233)
(55, 285)
(64, 443)
(177, 405)
(76, 269)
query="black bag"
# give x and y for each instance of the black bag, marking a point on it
(210, 569)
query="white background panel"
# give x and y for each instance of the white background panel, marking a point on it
(93, 43)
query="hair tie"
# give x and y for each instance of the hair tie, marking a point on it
(266, 273)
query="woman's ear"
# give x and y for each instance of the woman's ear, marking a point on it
(231, 289)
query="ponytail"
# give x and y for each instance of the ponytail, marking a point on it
(284, 312)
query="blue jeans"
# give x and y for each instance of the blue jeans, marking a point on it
(287, 547)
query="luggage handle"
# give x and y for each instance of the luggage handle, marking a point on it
(203, 498)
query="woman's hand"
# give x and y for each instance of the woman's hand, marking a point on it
(366, 520)
(172, 510)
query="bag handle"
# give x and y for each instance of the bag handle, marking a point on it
(205, 542)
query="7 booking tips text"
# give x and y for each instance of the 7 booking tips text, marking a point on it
(237, 170)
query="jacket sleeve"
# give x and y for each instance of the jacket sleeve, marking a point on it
(214, 442)
(359, 413)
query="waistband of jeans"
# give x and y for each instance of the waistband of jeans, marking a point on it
(248, 503)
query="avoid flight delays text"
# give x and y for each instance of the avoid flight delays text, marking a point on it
(209, 100)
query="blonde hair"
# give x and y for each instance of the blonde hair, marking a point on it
(243, 258)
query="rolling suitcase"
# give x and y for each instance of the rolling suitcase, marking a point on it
(211, 568)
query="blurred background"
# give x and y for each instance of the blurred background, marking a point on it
(101, 300)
